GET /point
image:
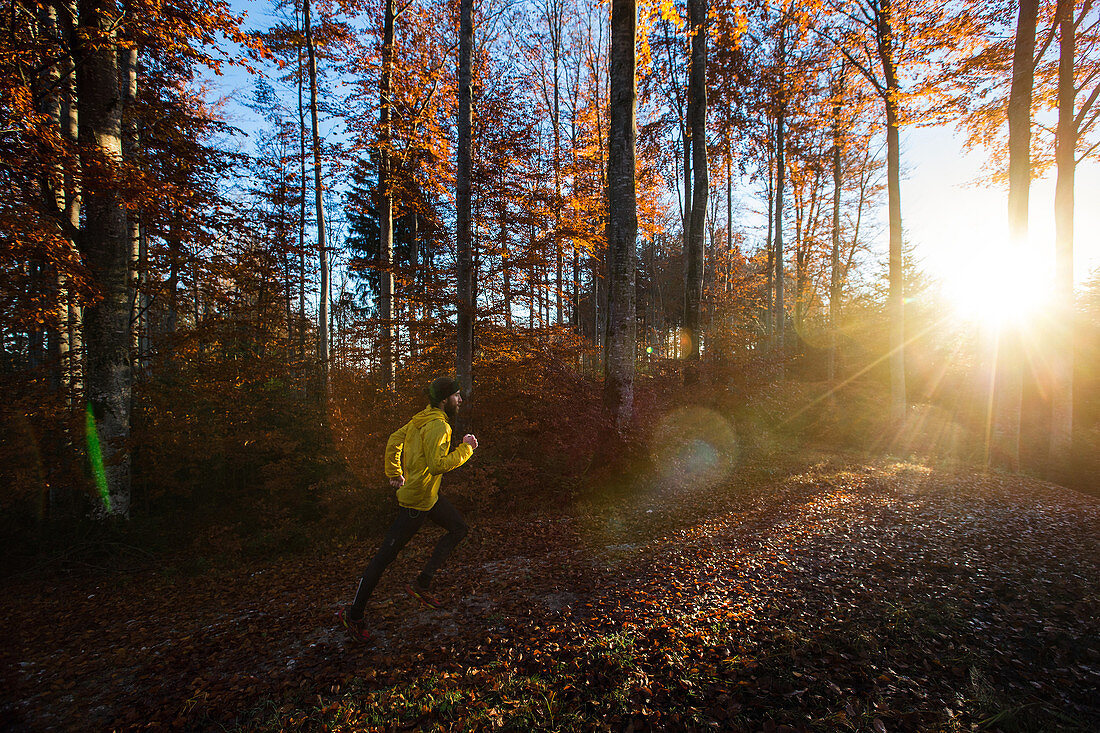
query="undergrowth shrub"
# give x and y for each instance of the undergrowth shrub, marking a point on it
(234, 455)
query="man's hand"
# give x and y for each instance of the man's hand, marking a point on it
(470, 441)
(397, 481)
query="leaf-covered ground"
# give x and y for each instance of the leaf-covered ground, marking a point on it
(848, 596)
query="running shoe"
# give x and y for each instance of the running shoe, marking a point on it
(356, 629)
(423, 595)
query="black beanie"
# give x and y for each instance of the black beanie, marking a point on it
(441, 389)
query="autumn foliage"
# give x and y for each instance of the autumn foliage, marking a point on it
(753, 499)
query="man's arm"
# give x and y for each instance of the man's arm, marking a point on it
(437, 438)
(394, 447)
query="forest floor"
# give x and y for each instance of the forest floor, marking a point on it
(843, 595)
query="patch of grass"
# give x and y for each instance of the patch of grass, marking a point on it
(485, 699)
(996, 710)
(617, 649)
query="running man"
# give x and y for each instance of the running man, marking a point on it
(417, 456)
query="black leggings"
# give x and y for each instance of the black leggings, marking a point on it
(407, 524)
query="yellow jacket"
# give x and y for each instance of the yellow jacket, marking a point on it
(418, 451)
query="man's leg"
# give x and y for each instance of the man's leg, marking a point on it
(446, 516)
(400, 532)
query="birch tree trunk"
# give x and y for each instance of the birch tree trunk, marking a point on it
(104, 243)
(52, 191)
(385, 199)
(47, 87)
(622, 224)
(318, 193)
(128, 59)
(70, 129)
(464, 357)
(1061, 424)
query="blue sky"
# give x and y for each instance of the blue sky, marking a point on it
(954, 222)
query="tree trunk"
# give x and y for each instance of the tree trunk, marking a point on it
(318, 194)
(1009, 372)
(174, 257)
(685, 213)
(1019, 122)
(411, 303)
(196, 295)
(601, 259)
(531, 277)
(1061, 424)
(834, 260)
(576, 315)
(128, 59)
(769, 314)
(800, 211)
(70, 129)
(686, 209)
(780, 183)
(385, 200)
(697, 126)
(105, 247)
(52, 193)
(301, 209)
(53, 200)
(506, 265)
(729, 194)
(284, 254)
(464, 357)
(622, 225)
(896, 297)
(554, 23)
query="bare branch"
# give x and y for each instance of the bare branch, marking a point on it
(863, 69)
(1086, 126)
(1087, 105)
(1044, 128)
(1086, 81)
(1088, 152)
(1084, 11)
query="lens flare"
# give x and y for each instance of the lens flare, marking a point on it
(694, 447)
(95, 456)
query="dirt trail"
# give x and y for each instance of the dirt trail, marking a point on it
(838, 584)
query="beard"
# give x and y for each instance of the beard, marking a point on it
(451, 410)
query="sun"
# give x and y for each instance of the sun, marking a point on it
(999, 287)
